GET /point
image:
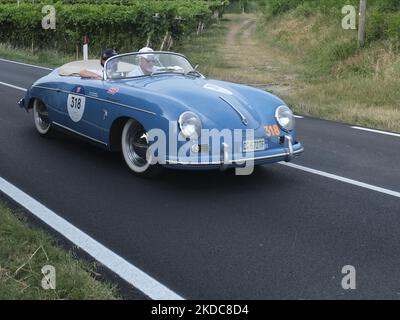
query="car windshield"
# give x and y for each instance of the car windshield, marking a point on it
(133, 65)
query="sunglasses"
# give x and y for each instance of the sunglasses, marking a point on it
(150, 60)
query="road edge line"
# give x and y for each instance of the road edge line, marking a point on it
(376, 131)
(12, 86)
(343, 179)
(25, 64)
(130, 273)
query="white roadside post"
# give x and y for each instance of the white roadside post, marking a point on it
(85, 48)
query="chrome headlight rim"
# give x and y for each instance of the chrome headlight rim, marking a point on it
(288, 127)
(185, 116)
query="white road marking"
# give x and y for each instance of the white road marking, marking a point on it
(133, 275)
(299, 117)
(12, 86)
(378, 131)
(343, 179)
(25, 64)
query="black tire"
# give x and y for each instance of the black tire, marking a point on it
(134, 146)
(41, 119)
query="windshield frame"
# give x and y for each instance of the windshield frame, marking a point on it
(105, 78)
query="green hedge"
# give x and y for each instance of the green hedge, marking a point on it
(118, 2)
(124, 27)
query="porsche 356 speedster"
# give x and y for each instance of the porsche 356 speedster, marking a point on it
(171, 117)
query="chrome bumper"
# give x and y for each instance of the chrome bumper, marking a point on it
(288, 155)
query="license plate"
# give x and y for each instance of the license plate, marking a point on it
(254, 145)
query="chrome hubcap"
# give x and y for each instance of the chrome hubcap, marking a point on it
(137, 146)
(41, 116)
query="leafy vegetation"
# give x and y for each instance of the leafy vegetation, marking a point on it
(124, 25)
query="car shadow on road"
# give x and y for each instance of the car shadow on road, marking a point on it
(264, 177)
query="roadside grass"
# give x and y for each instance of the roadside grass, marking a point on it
(203, 50)
(227, 52)
(44, 58)
(336, 79)
(25, 250)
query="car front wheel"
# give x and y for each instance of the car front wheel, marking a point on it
(134, 145)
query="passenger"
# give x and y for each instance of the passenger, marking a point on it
(98, 73)
(146, 64)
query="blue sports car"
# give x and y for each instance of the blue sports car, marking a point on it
(160, 112)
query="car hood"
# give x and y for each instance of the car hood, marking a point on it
(219, 101)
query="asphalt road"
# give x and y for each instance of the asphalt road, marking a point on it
(280, 233)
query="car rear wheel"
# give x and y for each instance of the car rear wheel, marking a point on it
(134, 145)
(41, 118)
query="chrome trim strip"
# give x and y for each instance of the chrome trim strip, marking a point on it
(295, 153)
(95, 98)
(81, 134)
(244, 119)
(52, 89)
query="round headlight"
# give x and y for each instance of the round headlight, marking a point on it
(285, 118)
(190, 125)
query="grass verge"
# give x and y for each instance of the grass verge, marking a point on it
(44, 58)
(336, 79)
(204, 49)
(24, 251)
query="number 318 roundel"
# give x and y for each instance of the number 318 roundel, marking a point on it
(76, 104)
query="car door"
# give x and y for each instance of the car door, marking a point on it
(80, 109)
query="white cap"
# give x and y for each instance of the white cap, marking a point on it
(144, 50)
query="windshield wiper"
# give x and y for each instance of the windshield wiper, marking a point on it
(178, 71)
(194, 73)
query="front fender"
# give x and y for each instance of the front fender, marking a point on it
(24, 102)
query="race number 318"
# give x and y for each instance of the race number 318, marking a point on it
(76, 107)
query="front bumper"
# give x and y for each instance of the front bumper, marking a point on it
(287, 152)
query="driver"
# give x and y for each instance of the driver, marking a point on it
(98, 73)
(146, 63)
